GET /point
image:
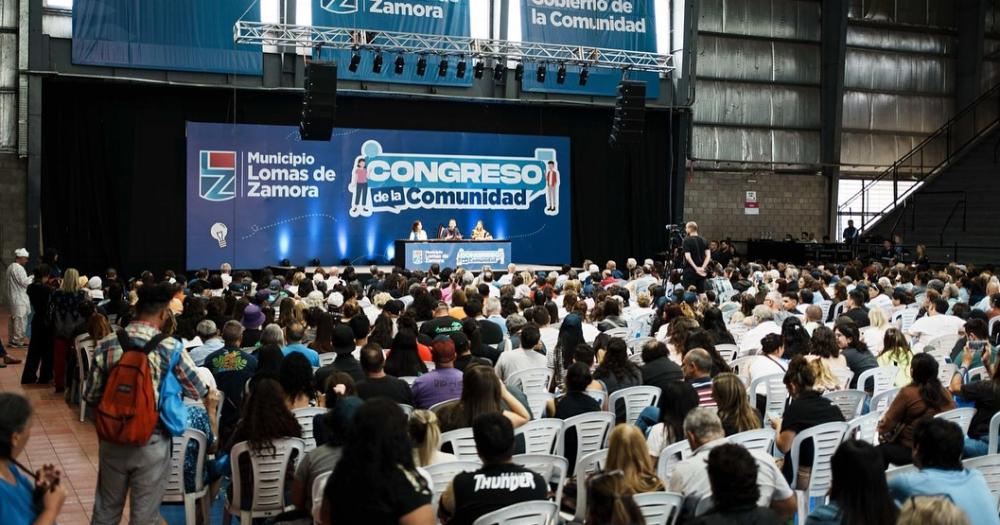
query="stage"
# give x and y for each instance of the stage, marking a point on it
(366, 270)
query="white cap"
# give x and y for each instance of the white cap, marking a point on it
(94, 283)
(335, 300)
(20, 252)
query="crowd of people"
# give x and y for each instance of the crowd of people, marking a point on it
(396, 358)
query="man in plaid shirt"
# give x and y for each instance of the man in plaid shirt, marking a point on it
(141, 471)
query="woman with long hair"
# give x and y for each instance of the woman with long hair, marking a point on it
(425, 432)
(924, 397)
(734, 408)
(896, 352)
(608, 503)
(823, 347)
(794, 338)
(376, 480)
(676, 400)
(482, 393)
(714, 324)
(65, 316)
(859, 494)
(627, 453)
(404, 358)
(323, 343)
(570, 337)
(382, 330)
(296, 376)
(615, 370)
(855, 351)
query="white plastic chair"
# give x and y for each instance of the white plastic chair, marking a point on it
(327, 359)
(659, 508)
(946, 371)
(993, 326)
(176, 492)
(269, 470)
(727, 351)
(907, 317)
(740, 362)
(979, 373)
(621, 333)
(442, 473)
(994, 442)
(526, 513)
(586, 464)
(896, 471)
(601, 396)
(592, 432)
(555, 469)
(540, 435)
(409, 379)
(844, 376)
(777, 393)
(463, 445)
(635, 398)
(960, 416)
(761, 439)
(863, 428)
(989, 467)
(848, 401)
(671, 456)
(941, 345)
(537, 401)
(531, 379)
(884, 376)
(407, 409)
(738, 330)
(824, 307)
(438, 406)
(826, 438)
(880, 402)
(319, 485)
(305, 418)
(84, 347)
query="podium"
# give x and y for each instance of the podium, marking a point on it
(420, 255)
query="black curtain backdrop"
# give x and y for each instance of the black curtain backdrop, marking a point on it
(113, 169)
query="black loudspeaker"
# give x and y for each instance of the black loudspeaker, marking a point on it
(319, 104)
(630, 113)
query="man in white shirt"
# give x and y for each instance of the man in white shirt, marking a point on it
(935, 323)
(505, 278)
(690, 477)
(765, 325)
(211, 341)
(17, 297)
(524, 358)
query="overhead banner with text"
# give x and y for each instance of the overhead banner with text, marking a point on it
(258, 194)
(428, 17)
(611, 24)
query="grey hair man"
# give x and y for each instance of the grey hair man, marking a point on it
(210, 341)
(764, 316)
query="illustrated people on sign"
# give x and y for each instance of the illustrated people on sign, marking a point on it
(479, 233)
(551, 188)
(359, 187)
(418, 233)
(451, 233)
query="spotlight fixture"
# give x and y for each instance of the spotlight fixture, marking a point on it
(519, 72)
(540, 73)
(400, 63)
(460, 68)
(498, 71)
(377, 64)
(443, 67)
(584, 73)
(561, 75)
(421, 65)
(355, 60)
(478, 69)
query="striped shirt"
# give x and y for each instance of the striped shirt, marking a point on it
(109, 352)
(704, 388)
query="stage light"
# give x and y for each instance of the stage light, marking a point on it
(355, 60)
(422, 66)
(561, 75)
(377, 64)
(540, 73)
(583, 76)
(498, 71)
(519, 72)
(443, 67)
(400, 63)
(478, 69)
(460, 69)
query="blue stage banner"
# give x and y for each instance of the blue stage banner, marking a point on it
(185, 35)
(609, 24)
(258, 194)
(428, 17)
(475, 255)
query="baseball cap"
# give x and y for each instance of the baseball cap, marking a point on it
(336, 300)
(275, 285)
(343, 339)
(443, 349)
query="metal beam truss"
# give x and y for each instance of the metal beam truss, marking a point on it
(453, 46)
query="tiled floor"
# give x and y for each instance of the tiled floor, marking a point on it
(58, 437)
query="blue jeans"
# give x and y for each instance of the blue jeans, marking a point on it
(975, 447)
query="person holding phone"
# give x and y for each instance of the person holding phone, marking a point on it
(983, 393)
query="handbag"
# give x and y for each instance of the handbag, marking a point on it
(893, 433)
(173, 413)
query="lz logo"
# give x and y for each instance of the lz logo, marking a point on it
(340, 7)
(217, 175)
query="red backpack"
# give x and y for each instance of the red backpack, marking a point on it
(127, 413)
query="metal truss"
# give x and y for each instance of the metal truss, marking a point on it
(473, 48)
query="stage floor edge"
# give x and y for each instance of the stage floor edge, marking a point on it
(363, 269)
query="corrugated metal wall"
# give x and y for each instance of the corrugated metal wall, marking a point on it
(991, 53)
(8, 74)
(898, 78)
(758, 79)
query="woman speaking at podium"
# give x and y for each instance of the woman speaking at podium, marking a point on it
(480, 234)
(418, 233)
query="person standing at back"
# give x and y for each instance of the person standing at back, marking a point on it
(17, 299)
(139, 472)
(696, 259)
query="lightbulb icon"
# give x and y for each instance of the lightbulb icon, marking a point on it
(219, 231)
